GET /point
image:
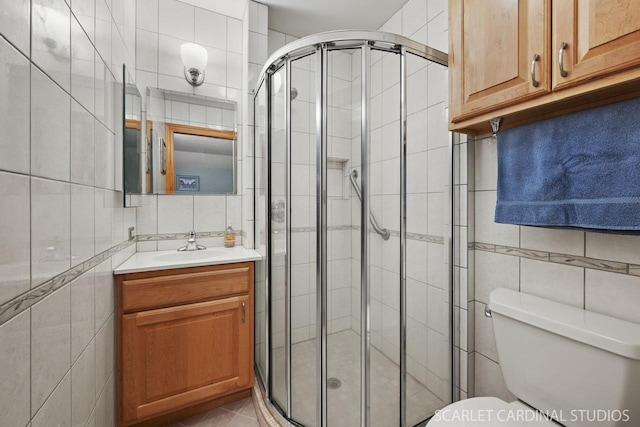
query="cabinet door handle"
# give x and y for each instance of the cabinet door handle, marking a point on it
(243, 312)
(535, 58)
(563, 46)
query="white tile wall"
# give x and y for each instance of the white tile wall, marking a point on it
(14, 105)
(50, 345)
(159, 65)
(59, 129)
(15, 370)
(613, 294)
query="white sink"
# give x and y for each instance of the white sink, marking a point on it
(189, 255)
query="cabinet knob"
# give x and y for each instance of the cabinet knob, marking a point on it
(535, 58)
(243, 312)
(563, 46)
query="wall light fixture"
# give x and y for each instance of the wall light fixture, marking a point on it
(194, 58)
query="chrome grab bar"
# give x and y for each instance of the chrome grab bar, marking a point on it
(381, 231)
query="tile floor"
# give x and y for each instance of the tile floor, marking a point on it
(344, 402)
(235, 414)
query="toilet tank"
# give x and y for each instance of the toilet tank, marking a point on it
(579, 367)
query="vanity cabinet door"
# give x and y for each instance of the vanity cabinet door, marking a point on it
(176, 357)
(498, 54)
(593, 38)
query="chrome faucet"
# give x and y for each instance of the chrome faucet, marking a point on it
(192, 245)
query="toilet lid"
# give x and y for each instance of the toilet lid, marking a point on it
(488, 412)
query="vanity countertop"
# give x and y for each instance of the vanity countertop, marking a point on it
(165, 260)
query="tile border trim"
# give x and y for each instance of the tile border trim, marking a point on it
(17, 305)
(558, 258)
(410, 236)
(181, 236)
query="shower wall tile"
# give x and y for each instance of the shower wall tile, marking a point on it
(485, 342)
(489, 380)
(102, 221)
(147, 15)
(613, 247)
(83, 386)
(51, 21)
(15, 370)
(85, 13)
(50, 134)
(15, 24)
(436, 90)
(50, 345)
(414, 15)
(147, 51)
(176, 19)
(57, 409)
(487, 231)
(175, 214)
(82, 224)
(50, 229)
(612, 294)
(14, 101)
(211, 29)
(105, 357)
(82, 313)
(104, 293)
(82, 145)
(561, 241)
(209, 212)
(556, 282)
(49, 117)
(495, 271)
(437, 34)
(437, 135)
(14, 235)
(82, 66)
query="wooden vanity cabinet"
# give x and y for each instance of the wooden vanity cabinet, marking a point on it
(185, 341)
(588, 54)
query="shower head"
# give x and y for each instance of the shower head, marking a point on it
(294, 93)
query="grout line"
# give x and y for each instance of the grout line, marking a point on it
(30, 210)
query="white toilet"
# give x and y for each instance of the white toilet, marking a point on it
(578, 367)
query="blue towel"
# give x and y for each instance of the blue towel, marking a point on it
(578, 170)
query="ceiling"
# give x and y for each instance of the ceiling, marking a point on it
(233, 8)
(304, 17)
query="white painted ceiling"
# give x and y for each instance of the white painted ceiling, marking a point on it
(303, 17)
(233, 8)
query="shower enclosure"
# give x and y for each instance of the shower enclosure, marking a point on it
(353, 209)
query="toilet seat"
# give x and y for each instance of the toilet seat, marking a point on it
(488, 412)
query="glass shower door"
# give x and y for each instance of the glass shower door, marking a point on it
(278, 206)
(304, 360)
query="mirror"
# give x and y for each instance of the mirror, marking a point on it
(133, 159)
(192, 140)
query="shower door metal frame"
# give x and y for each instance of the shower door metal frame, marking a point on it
(320, 45)
(365, 208)
(321, 70)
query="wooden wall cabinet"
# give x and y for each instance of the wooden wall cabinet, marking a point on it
(588, 54)
(185, 339)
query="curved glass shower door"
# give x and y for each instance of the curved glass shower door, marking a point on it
(352, 188)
